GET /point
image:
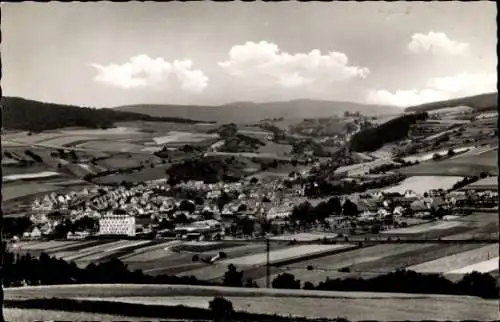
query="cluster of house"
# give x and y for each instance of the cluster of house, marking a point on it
(139, 209)
(132, 210)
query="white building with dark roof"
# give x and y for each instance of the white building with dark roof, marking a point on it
(111, 224)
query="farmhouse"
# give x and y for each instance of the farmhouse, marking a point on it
(34, 234)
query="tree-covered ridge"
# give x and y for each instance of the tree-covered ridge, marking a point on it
(483, 102)
(371, 139)
(23, 114)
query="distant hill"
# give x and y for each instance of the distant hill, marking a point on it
(23, 114)
(481, 102)
(249, 112)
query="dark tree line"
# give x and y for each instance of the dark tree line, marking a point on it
(45, 270)
(402, 281)
(23, 114)
(322, 188)
(371, 139)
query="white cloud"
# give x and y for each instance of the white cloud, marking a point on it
(144, 72)
(436, 43)
(437, 89)
(263, 63)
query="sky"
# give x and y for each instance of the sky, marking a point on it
(205, 53)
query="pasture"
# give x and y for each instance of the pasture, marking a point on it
(313, 304)
(458, 261)
(422, 184)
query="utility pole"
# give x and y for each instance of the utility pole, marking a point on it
(268, 264)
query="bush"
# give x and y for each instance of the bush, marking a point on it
(286, 281)
(221, 308)
(196, 258)
(308, 286)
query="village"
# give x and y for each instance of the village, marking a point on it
(198, 211)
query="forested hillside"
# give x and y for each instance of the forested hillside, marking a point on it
(23, 114)
(396, 129)
(481, 102)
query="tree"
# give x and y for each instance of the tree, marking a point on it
(187, 205)
(221, 308)
(254, 180)
(251, 283)
(335, 205)
(308, 286)
(436, 156)
(480, 284)
(350, 208)
(232, 277)
(286, 281)
(247, 225)
(451, 152)
(198, 201)
(223, 199)
(302, 213)
(322, 211)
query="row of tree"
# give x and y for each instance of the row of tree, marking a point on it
(321, 188)
(305, 213)
(402, 281)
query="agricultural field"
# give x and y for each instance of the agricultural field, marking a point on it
(489, 183)
(419, 229)
(29, 315)
(29, 176)
(328, 266)
(15, 190)
(313, 304)
(284, 254)
(183, 138)
(422, 184)
(147, 174)
(468, 164)
(457, 262)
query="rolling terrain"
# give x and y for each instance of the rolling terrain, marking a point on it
(481, 102)
(253, 112)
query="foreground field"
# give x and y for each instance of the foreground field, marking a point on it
(312, 304)
(30, 315)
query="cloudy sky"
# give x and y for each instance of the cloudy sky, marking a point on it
(110, 54)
